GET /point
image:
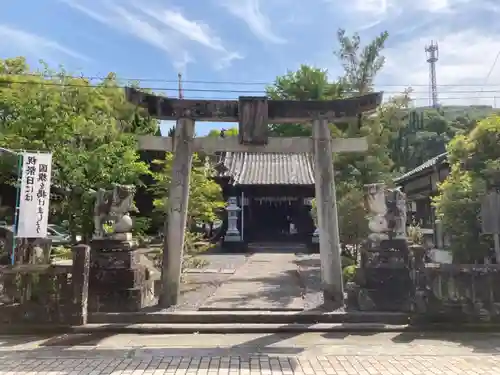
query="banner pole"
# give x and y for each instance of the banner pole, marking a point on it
(16, 212)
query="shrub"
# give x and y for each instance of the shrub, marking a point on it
(348, 273)
(347, 261)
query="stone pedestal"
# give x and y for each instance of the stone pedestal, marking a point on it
(118, 280)
(313, 245)
(115, 242)
(383, 280)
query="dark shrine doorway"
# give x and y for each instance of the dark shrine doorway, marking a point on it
(277, 219)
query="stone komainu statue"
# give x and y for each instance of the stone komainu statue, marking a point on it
(113, 206)
(386, 211)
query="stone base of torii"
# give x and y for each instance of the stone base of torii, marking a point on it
(253, 115)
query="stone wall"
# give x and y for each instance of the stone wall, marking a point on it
(45, 293)
(466, 293)
(35, 296)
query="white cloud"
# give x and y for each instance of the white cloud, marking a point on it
(364, 14)
(375, 7)
(468, 39)
(249, 11)
(23, 42)
(165, 29)
(434, 5)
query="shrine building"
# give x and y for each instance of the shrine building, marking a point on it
(270, 194)
(420, 186)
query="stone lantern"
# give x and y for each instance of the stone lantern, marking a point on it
(233, 210)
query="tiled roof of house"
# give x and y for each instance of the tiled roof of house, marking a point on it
(251, 168)
(436, 160)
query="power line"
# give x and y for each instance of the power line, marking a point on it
(241, 83)
(492, 68)
(203, 90)
(101, 78)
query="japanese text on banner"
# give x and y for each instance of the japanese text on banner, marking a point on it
(34, 195)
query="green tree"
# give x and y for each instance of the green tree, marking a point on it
(360, 63)
(475, 163)
(360, 66)
(425, 132)
(307, 83)
(89, 129)
(231, 132)
(205, 195)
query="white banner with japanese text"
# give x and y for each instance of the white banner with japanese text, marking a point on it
(34, 197)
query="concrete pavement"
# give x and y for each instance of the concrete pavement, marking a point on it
(253, 354)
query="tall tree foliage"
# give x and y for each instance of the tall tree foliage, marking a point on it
(360, 65)
(426, 132)
(475, 162)
(89, 129)
(307, 83)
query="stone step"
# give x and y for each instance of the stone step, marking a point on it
(197, 328)
(277, 246)
(249, 317)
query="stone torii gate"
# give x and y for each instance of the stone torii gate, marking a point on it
(253, 115)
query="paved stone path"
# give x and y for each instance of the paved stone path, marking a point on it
(264, 282)
(272, 354)
(323, 365)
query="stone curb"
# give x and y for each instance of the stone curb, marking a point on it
(241, 328)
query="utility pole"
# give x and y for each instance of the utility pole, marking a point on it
(179, 81)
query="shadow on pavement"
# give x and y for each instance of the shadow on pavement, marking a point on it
(487, 343)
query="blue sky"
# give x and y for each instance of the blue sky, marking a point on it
(250, 42)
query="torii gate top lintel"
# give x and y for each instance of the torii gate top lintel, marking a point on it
(278, 111)
(253, 113)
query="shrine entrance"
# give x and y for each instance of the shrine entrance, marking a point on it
(278, 219)
(273, 192)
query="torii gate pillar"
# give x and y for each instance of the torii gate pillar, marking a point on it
(175, 222)
(326, 208)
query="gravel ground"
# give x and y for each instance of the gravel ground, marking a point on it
(198, 287)
(224, 261)
(309, 269)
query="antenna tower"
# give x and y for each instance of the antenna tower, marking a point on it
(432, 52)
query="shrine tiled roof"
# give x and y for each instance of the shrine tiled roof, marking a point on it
(436, 160)
(252, 168)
